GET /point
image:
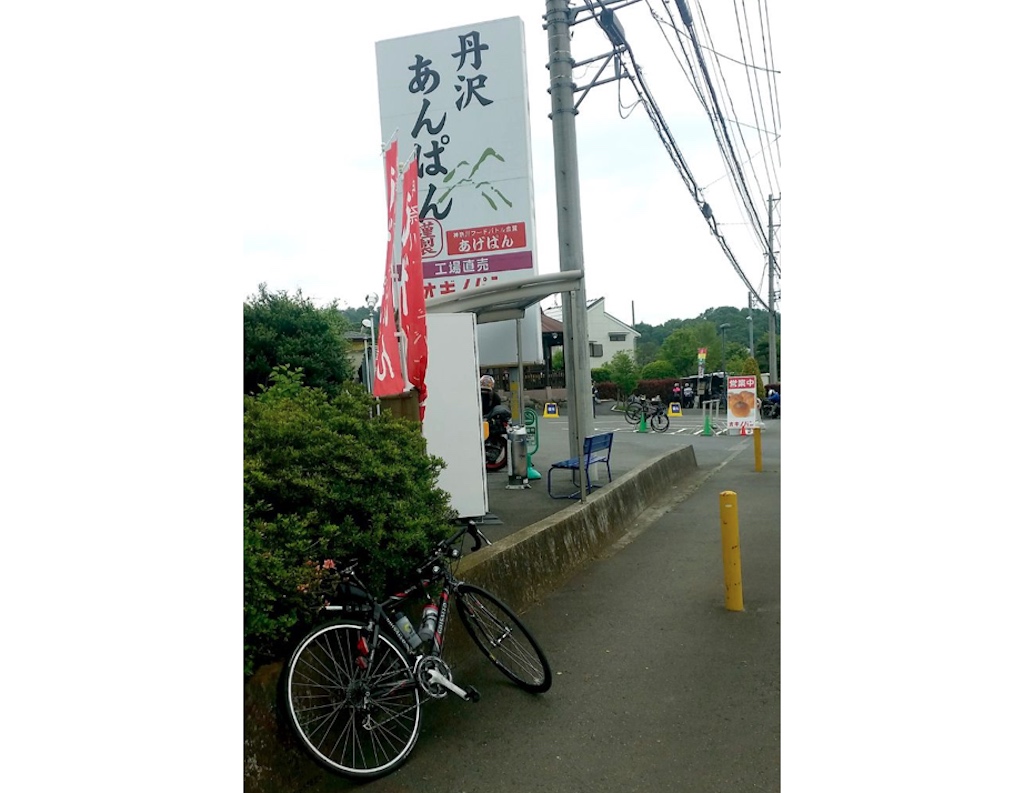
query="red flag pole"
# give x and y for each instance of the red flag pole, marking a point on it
(385, 381)
(398, 269)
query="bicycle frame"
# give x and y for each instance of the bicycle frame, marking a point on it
(381, 612)
(355, 686)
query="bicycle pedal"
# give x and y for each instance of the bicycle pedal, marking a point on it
(474, 695)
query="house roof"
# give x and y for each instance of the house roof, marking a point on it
(549, 324)
(556, 314)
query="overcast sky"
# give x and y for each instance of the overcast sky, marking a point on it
(143, 142)
(314, 215)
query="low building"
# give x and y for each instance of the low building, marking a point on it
(606, 334)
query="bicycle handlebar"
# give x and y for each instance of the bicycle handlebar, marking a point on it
(472, 530)
(443, 548)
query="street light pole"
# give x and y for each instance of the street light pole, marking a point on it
(723, 327)
(371, 303)
(750, 322)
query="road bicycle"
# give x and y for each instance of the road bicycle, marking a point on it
(655, 411)
(354, 686)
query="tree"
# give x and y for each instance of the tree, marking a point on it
(646, 352)
(749, 366)
(658, 370)
(761, 350)
(285, 330)
(624, 373)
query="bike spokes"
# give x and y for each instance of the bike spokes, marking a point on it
(358, 721)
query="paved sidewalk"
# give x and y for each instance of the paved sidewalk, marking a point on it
(516, 509)
(657, 687)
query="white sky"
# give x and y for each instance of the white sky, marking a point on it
(314, 214)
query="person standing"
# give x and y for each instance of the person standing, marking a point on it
(688, 396)
(677, 394)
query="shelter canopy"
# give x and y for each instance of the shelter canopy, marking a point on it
(506, 300)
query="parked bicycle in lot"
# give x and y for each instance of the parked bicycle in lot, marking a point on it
(354, 686)
(654, 409)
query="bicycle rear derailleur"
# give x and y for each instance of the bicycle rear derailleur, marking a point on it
(435, 678)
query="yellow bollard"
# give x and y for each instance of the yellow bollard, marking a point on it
(731, 550)
(757, 449)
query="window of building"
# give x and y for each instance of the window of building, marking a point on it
(616, 337)
(596, 350)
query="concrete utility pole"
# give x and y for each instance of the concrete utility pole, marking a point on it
(773, 366)
(570, 227)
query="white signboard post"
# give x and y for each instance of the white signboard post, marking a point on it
(457, 100)
(452, 423)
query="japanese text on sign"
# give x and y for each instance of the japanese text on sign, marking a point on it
(467, 91)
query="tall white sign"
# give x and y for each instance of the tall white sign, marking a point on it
(457, 101)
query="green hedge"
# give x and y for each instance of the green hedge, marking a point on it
(326, 478)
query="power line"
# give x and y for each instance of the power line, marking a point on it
(669, 142)
(715, 115)
(623, 51)
(725, 141)
(757, 85)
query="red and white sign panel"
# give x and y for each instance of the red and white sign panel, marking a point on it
(741, 398)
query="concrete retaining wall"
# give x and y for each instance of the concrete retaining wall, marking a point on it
(521, 569)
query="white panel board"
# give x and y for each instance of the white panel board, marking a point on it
(459, 103)
(452, 423)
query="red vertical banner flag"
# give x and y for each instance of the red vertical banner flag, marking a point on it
(386, 379)
(412, 303)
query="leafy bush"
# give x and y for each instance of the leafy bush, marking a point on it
(607, 390)
(661, 387)
(325, 478)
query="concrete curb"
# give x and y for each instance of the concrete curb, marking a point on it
(524, 567)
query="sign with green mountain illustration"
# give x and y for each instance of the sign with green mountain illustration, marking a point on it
(457, 100)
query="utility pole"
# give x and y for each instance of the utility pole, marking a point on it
(773, 365)
(570, 227)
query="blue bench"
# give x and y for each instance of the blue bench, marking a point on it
(596, 449)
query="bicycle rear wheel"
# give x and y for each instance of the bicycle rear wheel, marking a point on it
(659, 422)
(503, 638)
(633, 413)
(360, 723)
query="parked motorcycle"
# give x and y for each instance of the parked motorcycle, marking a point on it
(496, 445)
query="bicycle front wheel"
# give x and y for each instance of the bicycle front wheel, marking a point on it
(659, 422)
(503, 638)
(360, 723)
(633, 413)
